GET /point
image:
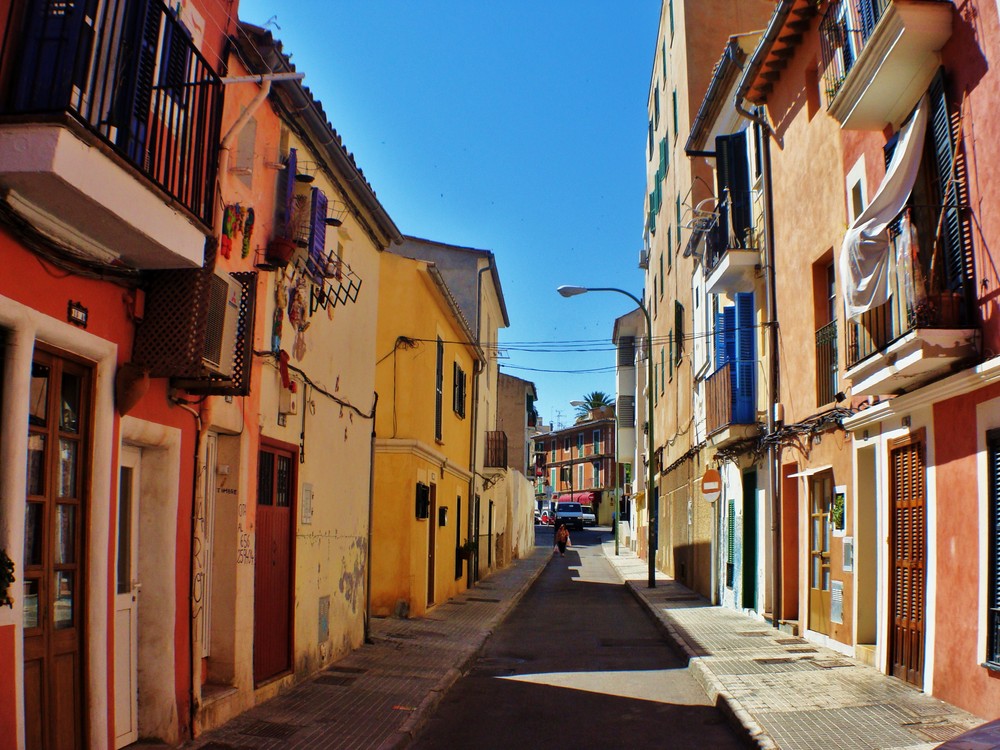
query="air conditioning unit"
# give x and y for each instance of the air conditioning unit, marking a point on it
(224, 296)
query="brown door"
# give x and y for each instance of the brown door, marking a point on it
(432, 545)
(54, 545)
(272, 639)
(820, 504)
(908, 554)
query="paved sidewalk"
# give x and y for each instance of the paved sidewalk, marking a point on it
(786, 692)
(380, 694)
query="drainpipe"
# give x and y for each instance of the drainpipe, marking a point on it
(759, 119)
(473, 572)
(371, 504)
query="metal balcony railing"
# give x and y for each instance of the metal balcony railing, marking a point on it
(733, 225)
(127, 71)
(496, 449)
(826, 363)
(926, 291)
(844, 31)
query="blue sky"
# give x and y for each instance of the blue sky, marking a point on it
(516, 126)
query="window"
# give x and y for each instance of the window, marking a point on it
(579, 444)
(677, 211)
(423, 501)
(566, 444)
(670, 254)
(661, 275)
(993, 586)
(597, 474)
(670, 359)
(663, 60)
(663, 357)
(458, 390)
(671, 11)
(679, 330)
(439, 389)
(554, 449)
(597, 441)
(651, 140)
(656, 105)
(580, 481)
(553, 478)
(825, 292)
(676, 115)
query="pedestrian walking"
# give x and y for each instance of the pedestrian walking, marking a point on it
(562, 539)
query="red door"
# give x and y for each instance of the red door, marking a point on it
(272, 642)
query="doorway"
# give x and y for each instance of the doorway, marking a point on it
(126, 658)
(59, 430)
(749, 588)
(908, 539)
(273, 604)
(431, 545)
(820, 533)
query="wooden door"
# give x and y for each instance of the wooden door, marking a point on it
(750, 564)
(820, 532)
(273, 603)
(59, 431)
(431, 544)
(126, 600)
(908, 538)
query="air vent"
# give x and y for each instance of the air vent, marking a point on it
(224, 295)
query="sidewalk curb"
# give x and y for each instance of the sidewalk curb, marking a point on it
(732, 709)
(410, 728)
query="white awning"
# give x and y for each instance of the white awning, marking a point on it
(864, 256)
(809, 472)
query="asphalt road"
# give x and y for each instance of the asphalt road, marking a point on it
(577, 664)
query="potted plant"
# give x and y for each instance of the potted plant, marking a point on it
(281, 247)
(466, 549)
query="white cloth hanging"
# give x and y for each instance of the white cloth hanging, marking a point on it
(864, 257)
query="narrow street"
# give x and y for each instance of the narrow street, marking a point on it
(577, 664)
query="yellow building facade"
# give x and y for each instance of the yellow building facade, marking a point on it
(426, 360)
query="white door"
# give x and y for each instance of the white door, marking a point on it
(126, 604)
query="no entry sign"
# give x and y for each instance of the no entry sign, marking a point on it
(711, 485)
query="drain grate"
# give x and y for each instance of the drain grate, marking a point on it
(482, 599)
(630, 642)
(270, 730)
(804, 650)
(940, 732)
(776, 660)
(348, 670)
(335, 679)
(833, 663)
(791, 641)
(755, 633)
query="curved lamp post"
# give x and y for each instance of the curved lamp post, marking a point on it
(573, 291)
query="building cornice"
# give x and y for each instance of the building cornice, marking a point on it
(424, 452)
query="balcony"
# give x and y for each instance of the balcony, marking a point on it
(879, 56)
(915, 336)
(826, 363)
(732, 244)
(110, 129)
(730, 403)
(496, 450)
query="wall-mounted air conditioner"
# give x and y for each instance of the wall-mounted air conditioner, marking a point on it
(222, 321)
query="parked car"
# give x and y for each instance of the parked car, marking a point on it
(570, 514)
(538, 516)
(984, 737)
(589, 519)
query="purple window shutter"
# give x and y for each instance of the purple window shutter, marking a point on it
(317, 233)
(291, 167)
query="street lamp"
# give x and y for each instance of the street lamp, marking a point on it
(573, 291)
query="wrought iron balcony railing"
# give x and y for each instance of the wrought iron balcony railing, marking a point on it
(496, 449)
(845, 29)
(730, 396)
(127, 71)
(826, 363)
(926, 292)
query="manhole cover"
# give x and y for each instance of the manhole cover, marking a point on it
(776, 660)
(833, 663)
(481, 599)
(335, 679)
(804, 650)
(269, 729)
(791, 641)
(940, 732)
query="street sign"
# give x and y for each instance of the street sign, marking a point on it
(711, 485)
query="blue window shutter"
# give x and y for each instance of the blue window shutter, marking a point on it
(744, 371)
(866, 11)
(729, 332)
(317, 233)
(720, 340)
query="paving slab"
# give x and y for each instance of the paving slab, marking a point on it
(784, 691)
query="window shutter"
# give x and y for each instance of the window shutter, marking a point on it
(670, 343)
(626, 351)
(866, 10)
(317, 233)
(144, 28)
(952, 266)
(439, 390)
(733, 165)
(175, 60)
(720, 339)
(291, 167)
(744, 370)
(679, 328)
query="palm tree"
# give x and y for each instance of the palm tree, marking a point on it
(591, 401)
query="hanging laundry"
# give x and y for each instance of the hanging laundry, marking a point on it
(248, 222)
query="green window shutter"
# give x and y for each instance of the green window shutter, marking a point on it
(670, 253)
(656, 105)
(993, 590)
(676, 116)
(670, 339)
(679, 327)
(650, 140)
(661, 276)
(671, 19)
(663, 57)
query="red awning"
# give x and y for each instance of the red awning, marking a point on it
(586, 498)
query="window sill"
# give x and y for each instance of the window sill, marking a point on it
(992, 666)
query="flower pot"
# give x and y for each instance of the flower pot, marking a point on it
(279, 251)
(464, 554)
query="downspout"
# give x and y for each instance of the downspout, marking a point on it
(371, 504)
(758, 118)
(473, 573)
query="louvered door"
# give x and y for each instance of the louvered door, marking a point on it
(909, 556)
